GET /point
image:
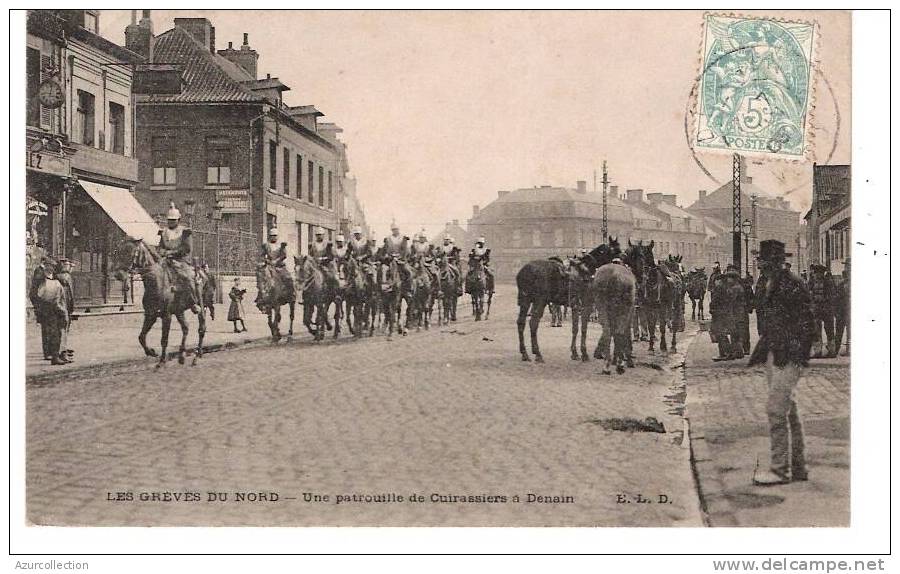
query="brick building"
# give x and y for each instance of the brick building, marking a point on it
(227, 149)
(676, 231)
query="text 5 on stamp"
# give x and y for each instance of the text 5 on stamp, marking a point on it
(756, 87)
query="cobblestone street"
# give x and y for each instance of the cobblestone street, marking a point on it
(451, 411)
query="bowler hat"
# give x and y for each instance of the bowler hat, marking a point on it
(771, 250)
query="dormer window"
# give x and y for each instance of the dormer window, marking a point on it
(91, 21)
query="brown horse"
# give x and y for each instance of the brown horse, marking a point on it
(407, 294)
(695, 285)
(476, 286)
(317, 294)
(659, 291)
(164, 297)
(424, 294)
(356, 296)
(276, 288)
(614, 287)
(450, 284)
(390, 287)
(373, 295)
(539, 283)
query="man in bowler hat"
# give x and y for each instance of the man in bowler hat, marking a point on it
(786, 318)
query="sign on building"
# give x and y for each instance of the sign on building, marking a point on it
(233, 200)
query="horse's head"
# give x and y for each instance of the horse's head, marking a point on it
(142, 257)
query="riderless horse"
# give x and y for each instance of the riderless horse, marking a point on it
(164, 297)
(676, 270)
(581, 294)
(659, 292)
(614, 287)
(539, 282)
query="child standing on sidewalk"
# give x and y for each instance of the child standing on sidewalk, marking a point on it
(236, 310)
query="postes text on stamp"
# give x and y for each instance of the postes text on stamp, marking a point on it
(755, 92)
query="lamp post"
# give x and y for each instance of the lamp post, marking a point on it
(217, 217)
(747, 229)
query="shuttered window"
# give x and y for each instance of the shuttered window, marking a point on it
(321, 186)
(309, 182)
(117, 128)
(84, 118)
(163, 159)
(218, 160)
(33, 73)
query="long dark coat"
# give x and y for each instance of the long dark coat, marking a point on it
(785, 313)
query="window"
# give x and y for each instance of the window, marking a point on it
(321, 186)
(273, 165)
(299, 183)
(330, 191)
(536, 237)
(90, 21)
(218, 160)
(271, 221)
(84, 118)
(116, 128)
(309, 182)
(33, 73)
(163, 159)
(286, 172)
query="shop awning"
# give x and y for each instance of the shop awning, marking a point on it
(124, 210)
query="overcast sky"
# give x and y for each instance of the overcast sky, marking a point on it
(441, 110)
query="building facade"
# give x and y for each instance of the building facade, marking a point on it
(81, 170)
(229, 152)
(828, 220)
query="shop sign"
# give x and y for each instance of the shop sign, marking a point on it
(233, 200)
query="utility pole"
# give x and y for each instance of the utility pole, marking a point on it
(736, 211)
(604, 229)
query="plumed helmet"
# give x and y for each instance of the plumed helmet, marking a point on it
(273, 231)
(480, 240)
(394, 226)
(173, 212)
(446, 237)
(357, 230)
(340, 237)
(320, 231)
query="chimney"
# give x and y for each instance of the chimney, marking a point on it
(199, 28)
(139, 36)
(212, 40)
(636, 195)
(246, 57)
(456, 222)
(582, 186)
(670, 198)
(654, 197)
(702, 195)
(475, 210)
(501, 194)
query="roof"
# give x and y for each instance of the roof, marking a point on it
(831, 185)
(265, 84)
(560, 202)
(208, 77)
(721, 198)
(302, 111)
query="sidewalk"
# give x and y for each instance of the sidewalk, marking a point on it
(106, 339)
(726, 407)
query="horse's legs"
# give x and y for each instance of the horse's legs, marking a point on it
(291, 306)
(308, 318)
(182, 322)
(149, 320)
(575, 325)
(537, 311)
(586, 310)
(520, 323)
(650, 318)
(164, 339)
(201, 333)
(663, 319)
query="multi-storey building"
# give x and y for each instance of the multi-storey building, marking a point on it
(828, 220)
(229, 150)
(81, 169)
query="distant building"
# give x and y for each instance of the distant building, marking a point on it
(460, 236)
(772, 217)
(676, 232)
(828, 220)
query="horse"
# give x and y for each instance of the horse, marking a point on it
(476, 285)
(676, 270)
(539, 282)
(407, 293)
(450, 284)
(488, 294)
(389, 286)
(424, 294)
(695, 285)
(356, 297)
(336, 279)
(614, 286)
(164, 297)
(208, 296)
(275, 289)
(581, 295)
(659, 291)
(318, 292)
(373, 303)
(556, 314)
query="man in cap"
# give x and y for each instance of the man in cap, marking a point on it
(175, 246)
(822, 291)
(64, 276)
(396, 243)
(783, 347)
(318, 249)
(46, 314)
(339, 251)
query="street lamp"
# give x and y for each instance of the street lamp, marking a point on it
(217, 217)
(747, 229)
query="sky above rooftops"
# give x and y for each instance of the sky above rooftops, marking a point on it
(440, 110)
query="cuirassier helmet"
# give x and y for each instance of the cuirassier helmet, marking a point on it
(173, 212)
(320, 231)
(273, 232)
(339, 238)
(357, 230)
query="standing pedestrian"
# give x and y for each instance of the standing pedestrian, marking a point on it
(64, 276)
(783, 347)
(49, 306)
(842, 311)
(236, 310)
(821, 287)
(749, 301)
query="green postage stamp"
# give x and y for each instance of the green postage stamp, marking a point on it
(755, 93)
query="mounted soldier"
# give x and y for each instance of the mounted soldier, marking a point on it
(318, 249)
(272, 257)
(175, 246)
(483, 254)
(339, 251)
(396, 243)
(359, 247)
(421, 247)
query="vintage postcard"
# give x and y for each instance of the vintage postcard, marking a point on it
(454, 268)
